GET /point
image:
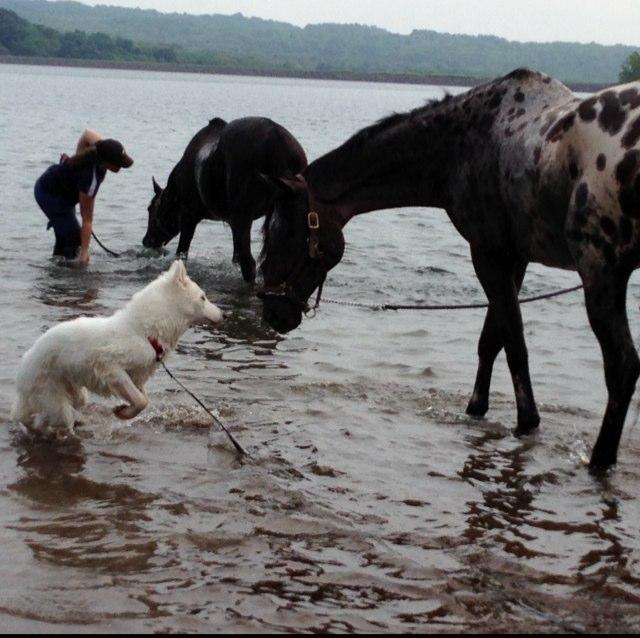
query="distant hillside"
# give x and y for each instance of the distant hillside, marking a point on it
(18, 37)
(328, 48)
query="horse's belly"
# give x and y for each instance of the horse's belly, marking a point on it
(548, 246)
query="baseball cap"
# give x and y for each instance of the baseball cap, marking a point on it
(113, 152)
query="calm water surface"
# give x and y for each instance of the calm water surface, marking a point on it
(373, 502)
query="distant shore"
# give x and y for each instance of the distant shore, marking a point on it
(405, 78)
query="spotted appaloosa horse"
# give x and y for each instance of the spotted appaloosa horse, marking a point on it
(221, 176)
(527, 172)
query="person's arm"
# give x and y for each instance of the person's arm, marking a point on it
(88, 138)
(86, 213)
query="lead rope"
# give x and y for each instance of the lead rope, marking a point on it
(107, 250)
(216, 420)
(388, 306)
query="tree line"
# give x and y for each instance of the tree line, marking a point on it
(20, 37)
(238, 42)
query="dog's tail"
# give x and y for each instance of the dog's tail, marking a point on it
(20, 411)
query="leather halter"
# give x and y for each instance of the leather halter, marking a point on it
(160, 227)
(285, 289)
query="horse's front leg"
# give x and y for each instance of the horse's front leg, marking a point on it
(489, 346)
(504, 328)
(241, 230)
(605, 297)
(187, 229)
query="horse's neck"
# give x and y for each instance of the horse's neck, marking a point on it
(404, 170)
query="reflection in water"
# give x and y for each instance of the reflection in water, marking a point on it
(75, 521)
(69, 288)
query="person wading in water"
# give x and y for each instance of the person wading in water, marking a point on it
(76, 180)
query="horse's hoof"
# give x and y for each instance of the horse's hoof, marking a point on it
(477, 408)
(527, 423)
(249, 274)
(601, 462)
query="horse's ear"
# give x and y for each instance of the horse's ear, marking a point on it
(289, 184)
(282, 184)
(156, 187)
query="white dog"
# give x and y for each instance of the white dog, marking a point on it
(111, 356)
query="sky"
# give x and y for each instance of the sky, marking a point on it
(603, 21)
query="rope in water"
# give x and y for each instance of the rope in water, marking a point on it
(388, 306)
(216, 419)
(111, 252)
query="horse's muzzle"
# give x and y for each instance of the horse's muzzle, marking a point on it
(281, 314)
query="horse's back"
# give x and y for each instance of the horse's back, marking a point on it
(573, 166)
(260, 144)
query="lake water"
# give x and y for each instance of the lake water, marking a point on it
(373, 502)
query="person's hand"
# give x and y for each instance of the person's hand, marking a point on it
(83, 259)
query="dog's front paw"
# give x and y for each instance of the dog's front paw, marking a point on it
(124, 411)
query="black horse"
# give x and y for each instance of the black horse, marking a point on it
(527, 172)
(221, 176)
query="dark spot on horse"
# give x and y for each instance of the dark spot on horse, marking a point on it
(632, 134)
(626, 167)
(596, 240)
(536, 154)
(601, 162)
(520, 112)
(547, 80)
(522, 126)
(608, 226)
(561, 127)
(630, 97)
(587, 111)
(521, 73)
(582, 195)
(580, 219)
(612, 115)
(508, 132)
(547, 125)
(626, 229)
(573, 170)
(486, 121)
(495, 101)
(518, 96)
(629, 202)
(511, 111)
(629, 196)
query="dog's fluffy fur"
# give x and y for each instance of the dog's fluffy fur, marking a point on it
(111, 356)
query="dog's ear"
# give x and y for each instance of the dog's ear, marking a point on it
(178, 272)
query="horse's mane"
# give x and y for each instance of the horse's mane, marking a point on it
(391, 121)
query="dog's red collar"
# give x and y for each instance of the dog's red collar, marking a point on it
(155, 344)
